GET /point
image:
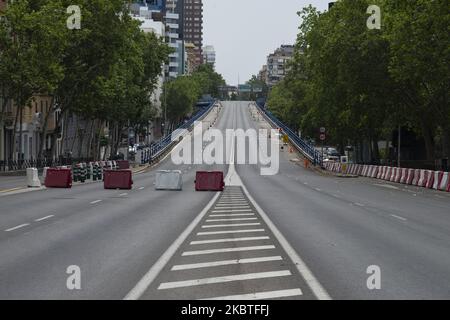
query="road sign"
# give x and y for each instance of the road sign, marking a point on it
(323, 137)
(323, 130)
(285, 138)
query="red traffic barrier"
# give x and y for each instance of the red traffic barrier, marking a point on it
(58, 178)
(123, 164)
(209, 181)
(118, 179)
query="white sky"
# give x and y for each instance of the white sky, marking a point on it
(245, 32)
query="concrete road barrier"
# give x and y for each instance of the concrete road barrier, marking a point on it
(33, 178)
(169, 180)
(118, 179)
(58, 178)
(209, 181)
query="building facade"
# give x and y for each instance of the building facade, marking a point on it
(277, 64)
(191, 31)
(209, 55)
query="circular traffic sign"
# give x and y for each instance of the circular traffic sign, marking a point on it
(323, 130)
(322, 137)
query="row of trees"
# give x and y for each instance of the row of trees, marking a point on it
(362, 84)
(104, 72)
(183, 92)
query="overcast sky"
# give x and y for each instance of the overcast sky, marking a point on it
(245, 32)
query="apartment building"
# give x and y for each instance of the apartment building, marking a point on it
(277, 64)
(209, 55)
(191, 13)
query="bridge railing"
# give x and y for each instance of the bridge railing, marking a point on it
(164, 144)
(305, 148)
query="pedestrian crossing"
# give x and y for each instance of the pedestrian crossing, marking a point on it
(230, 255)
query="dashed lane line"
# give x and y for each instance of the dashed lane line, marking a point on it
(398, 217)
(96, 201)
(224, 250)
(230, 278)
(224, 263)
(44, 218)
(17, 227)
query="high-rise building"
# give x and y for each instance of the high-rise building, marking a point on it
(191, 31)
(277, 64)
(209, 55)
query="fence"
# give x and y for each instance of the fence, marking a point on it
(21, 165)
(154, 152)
(305, 148)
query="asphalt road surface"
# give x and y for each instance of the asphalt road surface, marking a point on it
(294, 235)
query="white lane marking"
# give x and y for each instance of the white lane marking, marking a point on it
(232, 210)
(148, 278)
(233, 219)
(306, 273)
(262, 295)
(141, 188)
(224, 250)
(17, 227)
(359, 204)
(228, 240)
(230, 225)
(123, 194)
(232, 215)
(228, 232)
(224, 263)
(398, 217)
(44, 218)
(386, 186)
(96, 201)
(230, 278)
(232, 202)
(317, 189)
(237, 207)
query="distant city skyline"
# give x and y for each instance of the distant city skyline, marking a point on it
(245, 32)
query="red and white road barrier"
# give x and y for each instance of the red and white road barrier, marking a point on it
(445, 182)
(430, 179)
(403, 175)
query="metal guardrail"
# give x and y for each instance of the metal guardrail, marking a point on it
(305, 148)
(21, 165)
(164, 144)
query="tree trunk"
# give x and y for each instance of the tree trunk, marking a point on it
(446, 142)
(20, 134)
(429, 140)
(44, 129)
(13, 147)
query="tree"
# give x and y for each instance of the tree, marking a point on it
(181, 93)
